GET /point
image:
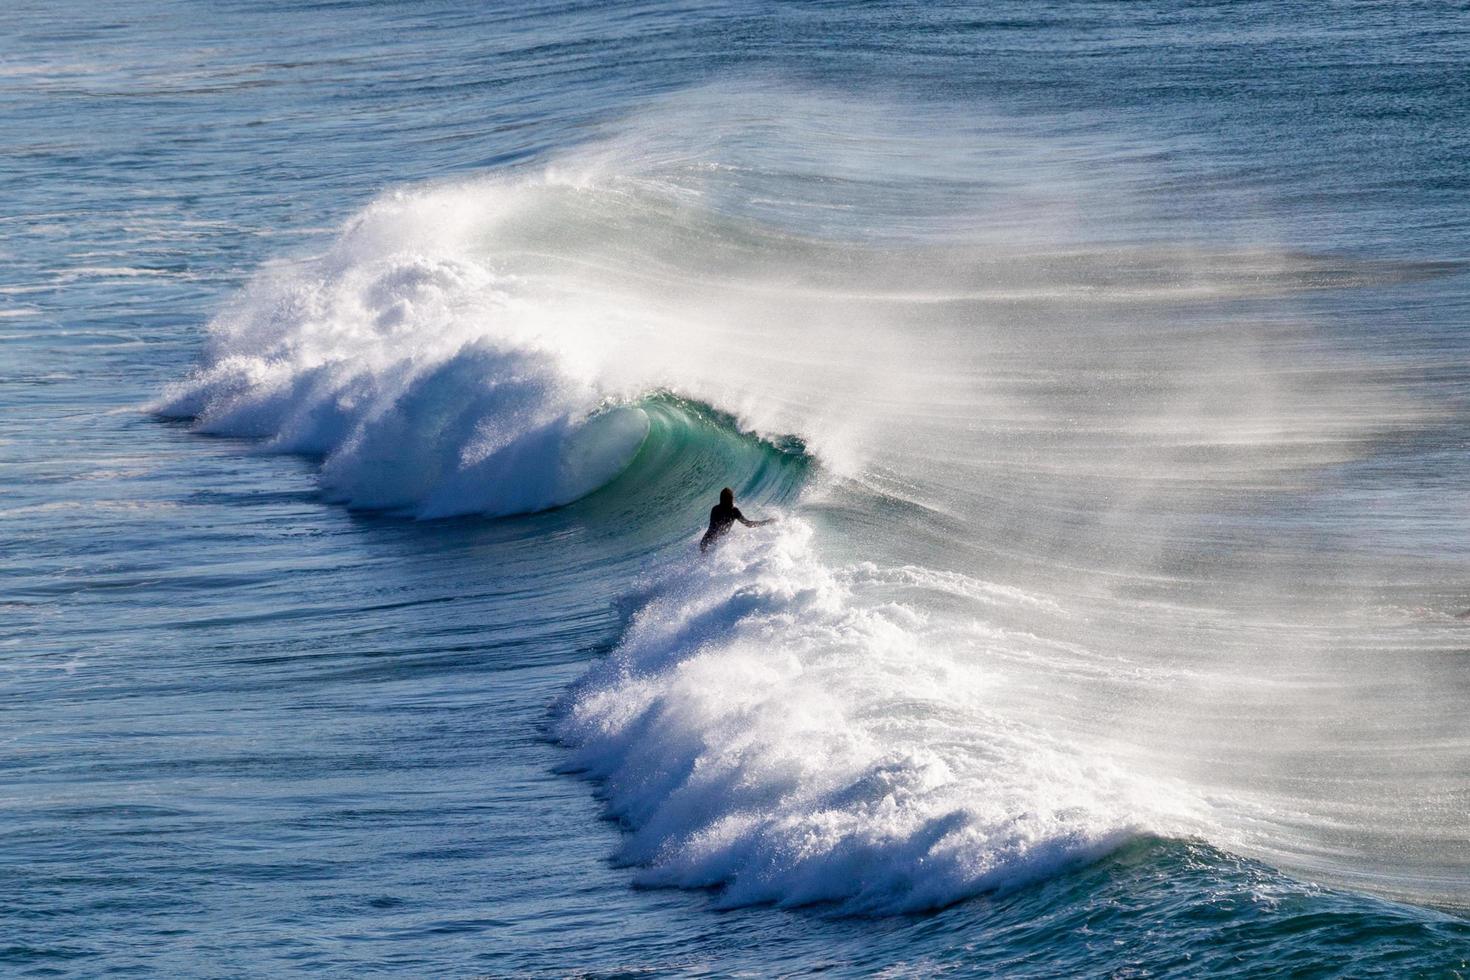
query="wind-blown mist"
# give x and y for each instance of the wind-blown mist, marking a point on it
(1068, 568)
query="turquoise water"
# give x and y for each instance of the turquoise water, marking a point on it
(369, 370)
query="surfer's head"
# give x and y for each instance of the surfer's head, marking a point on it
(727, 497)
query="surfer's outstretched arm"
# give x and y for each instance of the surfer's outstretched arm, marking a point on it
(749, 523)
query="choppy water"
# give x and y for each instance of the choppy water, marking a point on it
(369, 370)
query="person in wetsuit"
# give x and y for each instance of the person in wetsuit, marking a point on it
(722, 516)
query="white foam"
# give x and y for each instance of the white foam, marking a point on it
(414, 370)
(770, 727)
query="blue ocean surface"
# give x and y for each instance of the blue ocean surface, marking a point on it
(368, 370)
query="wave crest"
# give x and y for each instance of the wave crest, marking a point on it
(405, 370)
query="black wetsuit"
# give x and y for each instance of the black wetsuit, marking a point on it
(721, 516)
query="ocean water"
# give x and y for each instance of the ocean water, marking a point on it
(368, 371)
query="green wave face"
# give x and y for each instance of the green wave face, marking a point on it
(692, 450)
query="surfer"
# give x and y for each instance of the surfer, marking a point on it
(724, 514)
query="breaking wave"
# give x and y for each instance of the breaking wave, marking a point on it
(1052, 551)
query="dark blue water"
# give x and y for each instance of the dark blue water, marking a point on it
(1105, 363)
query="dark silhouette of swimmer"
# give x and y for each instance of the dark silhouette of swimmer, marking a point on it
(724, 514)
